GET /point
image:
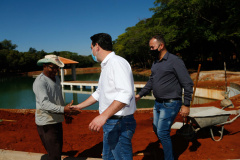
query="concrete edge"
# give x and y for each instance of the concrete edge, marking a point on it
(20, 155)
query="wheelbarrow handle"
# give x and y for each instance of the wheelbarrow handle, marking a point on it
(227, 122)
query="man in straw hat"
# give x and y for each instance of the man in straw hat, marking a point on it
(50, 106)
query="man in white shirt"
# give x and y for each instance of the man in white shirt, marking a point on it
(116, 97)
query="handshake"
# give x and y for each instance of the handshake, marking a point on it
(69, 110)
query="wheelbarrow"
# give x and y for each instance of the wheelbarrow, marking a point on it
(201, 117)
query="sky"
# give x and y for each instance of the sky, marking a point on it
(67, 25)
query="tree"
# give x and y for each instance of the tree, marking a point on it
(32, 50)
(203, 27)
(7, 44)
(133, 45)
(197, 29)
(3, 61)
(13, 58)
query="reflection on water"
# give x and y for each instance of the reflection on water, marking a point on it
(16, 92)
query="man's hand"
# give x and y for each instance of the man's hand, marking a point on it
(88, 102)
(69, 111)
(76, 107)
(184, 112)
(97, 123)
(137, 97)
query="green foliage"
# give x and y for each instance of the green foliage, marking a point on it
(197, 29)
(14, 61)
(7, 44)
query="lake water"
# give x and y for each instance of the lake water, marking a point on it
(17, 93)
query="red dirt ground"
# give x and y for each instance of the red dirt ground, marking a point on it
(21, 135)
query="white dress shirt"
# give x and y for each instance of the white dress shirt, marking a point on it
(115, 83)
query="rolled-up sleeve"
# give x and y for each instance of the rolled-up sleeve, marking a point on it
(123, 80)
(96, 94)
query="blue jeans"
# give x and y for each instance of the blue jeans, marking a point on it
(163, 117)
(117, 136)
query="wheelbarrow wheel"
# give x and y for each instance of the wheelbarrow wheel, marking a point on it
(221, 134)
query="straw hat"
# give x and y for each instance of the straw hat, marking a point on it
(51, 59)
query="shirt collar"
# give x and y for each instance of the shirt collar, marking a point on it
(104, 62)
(165, 57)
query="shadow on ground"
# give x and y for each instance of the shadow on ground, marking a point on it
(94, 152)
(154, 150)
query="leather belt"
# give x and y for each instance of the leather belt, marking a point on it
(118, 117)
(159, 100)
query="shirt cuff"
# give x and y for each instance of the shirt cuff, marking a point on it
(61, 109)
(140, 94)
(123, 98)
(186, 102)
(95, 96)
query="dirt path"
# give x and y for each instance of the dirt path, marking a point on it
(20, 134)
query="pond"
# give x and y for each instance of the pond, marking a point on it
(16, 92)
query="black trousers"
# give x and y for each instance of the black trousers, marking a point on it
(52, 139)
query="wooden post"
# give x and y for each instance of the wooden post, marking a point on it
(195, 85)
(62, 75)
(73, 72)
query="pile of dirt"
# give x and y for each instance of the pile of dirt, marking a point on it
(216, 79)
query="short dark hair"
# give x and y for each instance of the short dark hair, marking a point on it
(159, 38)
(104, 40)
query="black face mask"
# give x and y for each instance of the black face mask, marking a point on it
(155, 53)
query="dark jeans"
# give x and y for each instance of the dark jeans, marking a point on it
(117, 138)
(52, 139)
